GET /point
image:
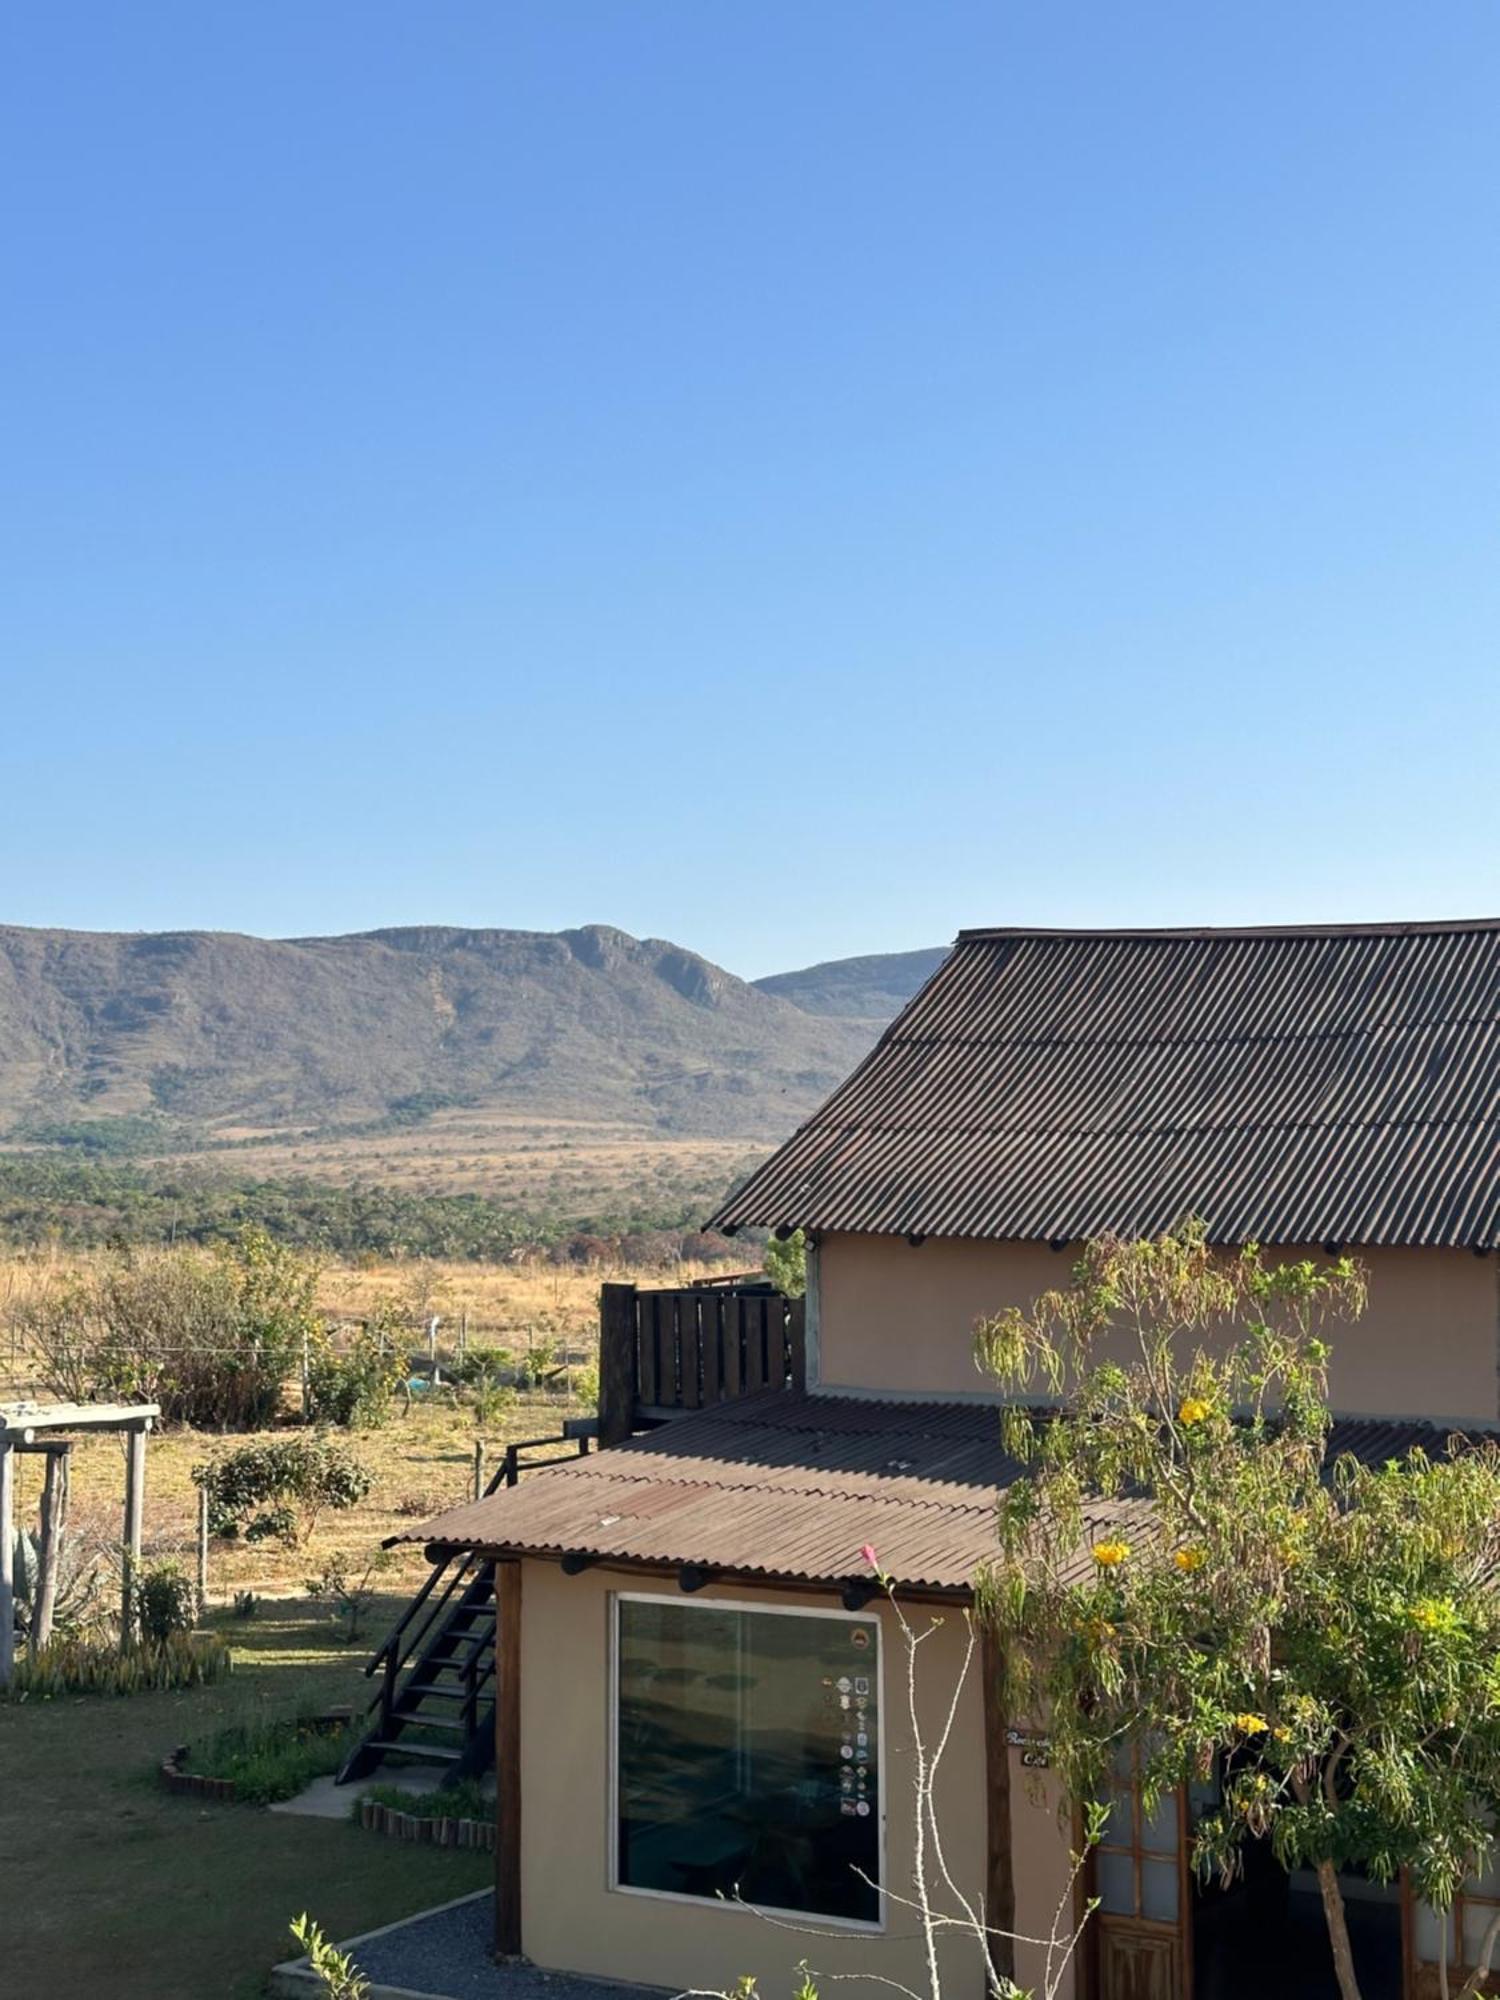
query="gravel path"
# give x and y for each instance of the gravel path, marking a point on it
(449, 1953)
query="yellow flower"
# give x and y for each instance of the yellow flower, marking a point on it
(1110, 1554)
(1187, 1560)
(1250, 1725)
(1433, 1614)
(1193, 1410)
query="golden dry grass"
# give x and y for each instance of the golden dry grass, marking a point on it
(558, 1164)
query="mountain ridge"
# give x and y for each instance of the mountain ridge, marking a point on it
(218, 1029)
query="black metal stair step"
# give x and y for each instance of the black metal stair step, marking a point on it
(415, 1715)
(435, 1753)
(439, 1692)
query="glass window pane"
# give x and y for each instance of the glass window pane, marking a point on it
(1159, 1891)
(1115, 1883)
(1159, 1831)
(1427, 1933)
(748, 1757)
(1117, 1825)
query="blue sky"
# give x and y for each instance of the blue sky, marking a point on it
(794, 478)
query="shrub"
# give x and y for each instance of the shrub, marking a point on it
(163, 1602)
(349, 1594)
(280, 1488)
(267, 1761)
(353, 1386)
(586, 1385)
(70, 1666)
(211, 1338)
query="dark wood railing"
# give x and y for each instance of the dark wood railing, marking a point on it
(663, 1352)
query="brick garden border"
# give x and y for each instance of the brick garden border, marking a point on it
(435, 1832)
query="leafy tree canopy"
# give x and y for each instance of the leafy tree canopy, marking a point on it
(1184, 1572)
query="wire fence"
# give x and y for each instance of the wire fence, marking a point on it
(26, 1372)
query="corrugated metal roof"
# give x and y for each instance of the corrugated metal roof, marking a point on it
(1289, 1086)
(792, 1487)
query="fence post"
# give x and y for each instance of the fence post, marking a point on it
(135, 1494)
(306, 1381)
(479, 1468)
(617, 1313)
(202, 1550)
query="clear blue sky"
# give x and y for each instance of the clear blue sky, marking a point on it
(794, 476)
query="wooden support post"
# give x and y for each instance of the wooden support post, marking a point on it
(508, 1759)
(479, 1468)
(617, 1314)
(135, 1494)
(999, 1886)
(202, 1550)
(49, 1549)
(7, 1562)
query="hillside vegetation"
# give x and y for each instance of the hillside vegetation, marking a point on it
(186, 1037)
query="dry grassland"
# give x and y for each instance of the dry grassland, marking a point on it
(559, 1164)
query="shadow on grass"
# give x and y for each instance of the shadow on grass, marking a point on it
(130, 1891)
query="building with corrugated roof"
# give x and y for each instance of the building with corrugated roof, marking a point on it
(704, 1739)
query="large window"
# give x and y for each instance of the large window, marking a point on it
(747, 1756)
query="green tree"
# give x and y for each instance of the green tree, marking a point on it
(1184, 1572)
(786, 1264)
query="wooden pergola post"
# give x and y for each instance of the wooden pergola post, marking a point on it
(135, 1495)
(7, 1561)
(49, 1548)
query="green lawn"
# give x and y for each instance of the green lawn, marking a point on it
(114, 1887)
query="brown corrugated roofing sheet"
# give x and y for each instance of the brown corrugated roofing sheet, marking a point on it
(792, 1487)
(1296, 1086)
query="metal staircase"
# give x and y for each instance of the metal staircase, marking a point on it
(436, 1698)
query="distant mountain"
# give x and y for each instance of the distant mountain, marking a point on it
(871, 989)
(214, 1032)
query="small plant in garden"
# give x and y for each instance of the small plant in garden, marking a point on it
(348, 1593)
(280, 1488)
(73, 1666)
(246, 1604)
(268, 1761)
(335, 1970)
(163, 1601)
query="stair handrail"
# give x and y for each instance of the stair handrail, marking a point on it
(460, 1557)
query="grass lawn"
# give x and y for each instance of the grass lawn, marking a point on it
(115, 1887)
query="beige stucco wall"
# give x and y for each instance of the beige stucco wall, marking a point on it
(893, 1317)
(572, 1920)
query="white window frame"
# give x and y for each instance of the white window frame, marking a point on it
(696, 1603)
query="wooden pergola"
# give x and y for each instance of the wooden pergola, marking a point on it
(47, 1428)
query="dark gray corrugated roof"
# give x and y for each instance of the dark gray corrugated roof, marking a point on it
(788, 1485)
(1289, 1086)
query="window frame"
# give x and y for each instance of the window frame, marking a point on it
(619, 1598)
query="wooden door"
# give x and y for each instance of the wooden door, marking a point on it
(1142, 1948)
